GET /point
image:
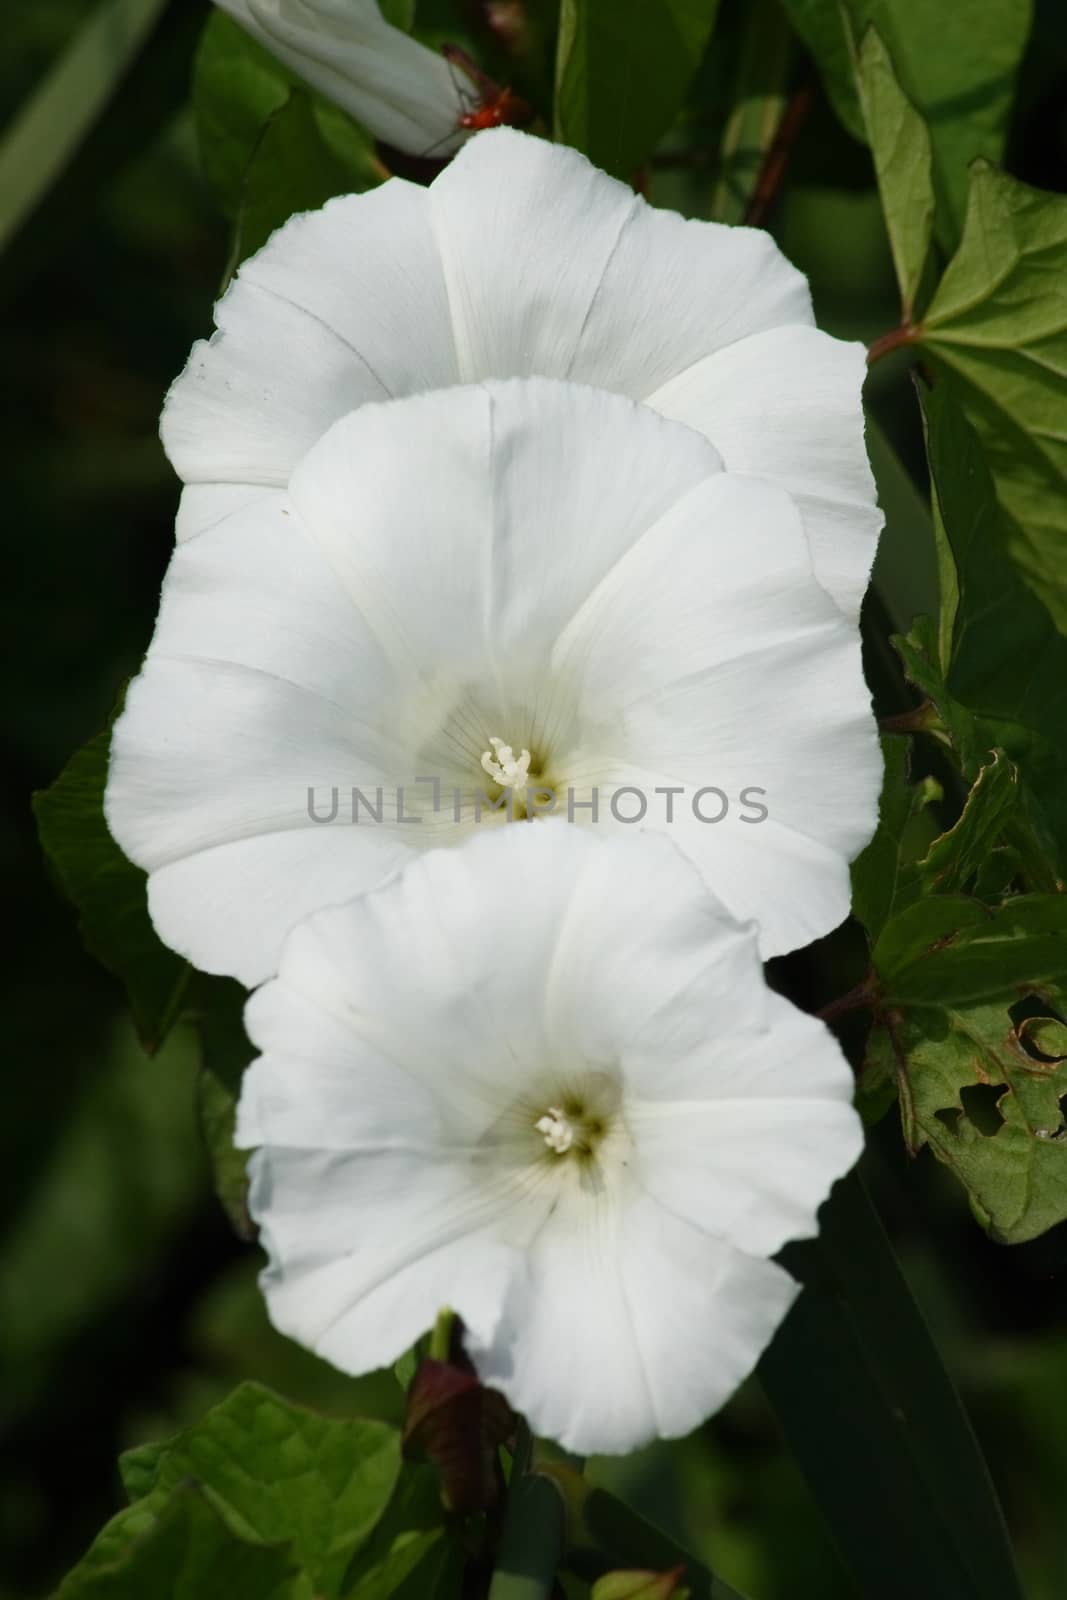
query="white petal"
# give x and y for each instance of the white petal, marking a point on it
(228, 908)
(262, 682)
(785, 405)
(681, 290)
(627, 1324)
(534, 501)
(441, 970)
(603, 288)
(207, 505)
(641, 930)
(764, 1078)
(717, 662)
(366, 1248)
(341, 306)
(525, 230)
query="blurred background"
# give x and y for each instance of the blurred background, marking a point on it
(127, 1306)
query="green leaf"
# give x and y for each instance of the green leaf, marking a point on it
(996, 329)
(879, 871)
(622, 71)
(269, 146)
(954, 861)
(292, 169)
(187, 1552)
(415, 1552)
(952, 950)
(759, 92)
(907, 860)
(905, 864)
(900, 144)
(54, 121)
(957, 68)
(973, 1086)
(237, 88)
(875, 1423)
(109, 891)
(1006, 679)
(275, 1473)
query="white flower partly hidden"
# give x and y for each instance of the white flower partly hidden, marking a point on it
(528, 585)
(521, 258)
(541, 1080)
(402, 92)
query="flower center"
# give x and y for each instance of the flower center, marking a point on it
(582, 1120)
(503, 767)
(557, 1129)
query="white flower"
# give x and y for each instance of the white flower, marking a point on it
(401, 91)
(530, 583)
(522, 258)
(541, 1080)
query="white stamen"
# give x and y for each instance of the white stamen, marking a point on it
(505, 769)
(558, 1132)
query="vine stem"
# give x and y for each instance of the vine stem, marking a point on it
(531, 1540)
(895, 339)
(772, 173)
(864, 994)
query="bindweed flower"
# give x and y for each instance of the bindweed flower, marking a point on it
(520, 259)
(541, 1080)
(399, 90)
(473, 599)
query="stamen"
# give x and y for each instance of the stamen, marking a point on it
(558, 1131)
(505, 769)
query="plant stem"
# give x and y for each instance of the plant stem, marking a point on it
(864, 994)
(895, 339)
(772, 173)
(532, 1537)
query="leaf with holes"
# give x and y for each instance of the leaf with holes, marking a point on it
(974, 1085)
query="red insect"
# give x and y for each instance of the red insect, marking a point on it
(507, 110)
(495, 107)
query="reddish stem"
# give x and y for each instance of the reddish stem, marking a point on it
(777, 159)
(857, 999)
(895, 339)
